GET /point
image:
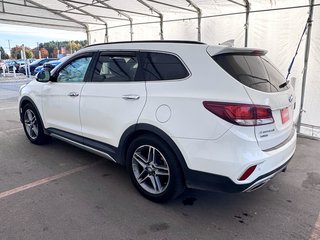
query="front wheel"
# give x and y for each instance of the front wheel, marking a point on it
(154, 169)
(32, 125)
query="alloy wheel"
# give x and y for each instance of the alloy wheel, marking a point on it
(151, 169)
(31, 124)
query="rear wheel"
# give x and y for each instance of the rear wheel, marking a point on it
(32, 125)
(154, 169)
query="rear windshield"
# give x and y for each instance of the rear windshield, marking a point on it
(255, 72)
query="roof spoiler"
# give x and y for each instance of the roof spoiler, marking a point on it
(214, 50)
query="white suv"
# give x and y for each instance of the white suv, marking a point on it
(176, 113)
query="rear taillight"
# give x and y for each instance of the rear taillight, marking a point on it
(241, 114)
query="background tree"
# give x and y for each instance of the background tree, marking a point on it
(35, 52)
(44, 52)
(49, 46)
(29, 53)
(54, 47)
(55, 52)
(4, 55)
(73, 46)
(16, 52)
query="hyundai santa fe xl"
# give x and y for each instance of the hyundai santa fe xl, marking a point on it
(176, 113)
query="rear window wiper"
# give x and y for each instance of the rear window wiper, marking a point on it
(282, 85)
(262, 79)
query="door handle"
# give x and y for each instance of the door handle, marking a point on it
(130, 97)
(73, 94)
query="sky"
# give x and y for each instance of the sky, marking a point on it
(29, 36)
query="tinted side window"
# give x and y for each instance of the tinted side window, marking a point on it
(162, 66)
(74, 71)
(113, 68)
(253, 71)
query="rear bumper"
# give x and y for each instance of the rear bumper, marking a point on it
(217, 183)
(217, 165)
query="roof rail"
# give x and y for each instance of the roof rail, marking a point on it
(149, 41)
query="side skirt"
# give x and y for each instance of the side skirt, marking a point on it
(101, 149)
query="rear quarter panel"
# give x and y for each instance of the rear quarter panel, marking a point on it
(188, 117)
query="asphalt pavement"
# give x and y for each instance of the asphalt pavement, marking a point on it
(58, 191)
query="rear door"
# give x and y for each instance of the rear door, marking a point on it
(265, 86)
(114, 99)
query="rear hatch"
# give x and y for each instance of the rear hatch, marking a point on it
(265, 86)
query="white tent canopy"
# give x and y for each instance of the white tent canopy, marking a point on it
(275, 25)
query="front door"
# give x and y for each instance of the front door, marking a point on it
(61, 97)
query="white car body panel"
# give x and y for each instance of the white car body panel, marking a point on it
(60, 110)
(189, 119)
(33, 90)
(231, 155)
(105, 114)
(271, 135)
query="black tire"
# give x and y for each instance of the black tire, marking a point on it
(161, 178)
(37, 137)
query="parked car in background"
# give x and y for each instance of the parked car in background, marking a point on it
(11, 64)
(20, 62)
(176, 113)
(38, 69)
(35, 64)
(50, 65)
(2, 64)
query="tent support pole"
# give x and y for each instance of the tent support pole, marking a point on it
(121, 14)
(3, 9)
(88, 36)
(305, 68)
(56, 13)
(161, 27)
(106, 36)
(152, 9)
(88, 13)
(94, 4)
(131, 29)
(199, 17)
(247, 23)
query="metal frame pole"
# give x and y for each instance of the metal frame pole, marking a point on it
(103, 7)
(152, 9)
(171, 5)
(47, 18)
(91, 15)
(61, 15)
(106, 36)
(3, 9)
(246, 36)
(240, 4)
(199, 17)
(306, 61)
(120, 13)
(9, 48)
(66, 11)
(88, 37)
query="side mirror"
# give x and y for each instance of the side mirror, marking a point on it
(43, 76)
(293, 82)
